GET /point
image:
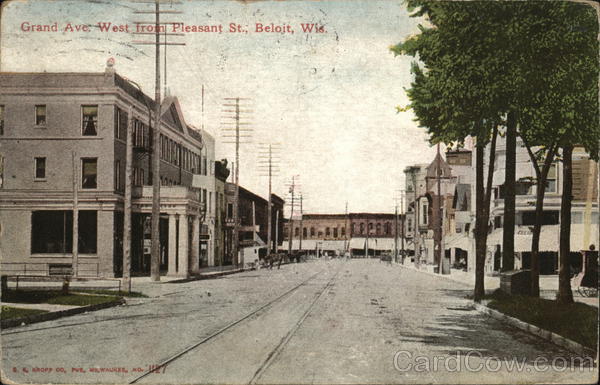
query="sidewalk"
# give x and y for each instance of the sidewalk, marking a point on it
(39, 306)
(548, 284)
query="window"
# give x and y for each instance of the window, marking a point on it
(296, 231)
(424, 214)
(327, 231)
(89, 172)
(51, 232)
(40, 115)
(409, 224)
(120, 124)
(352, 229)
(312, 231)
(118, 179)
(335, 232)
(89, 120)
(362, 228)
(40, 168)
(304, 232)
(1, 120)
(343, 231)
(551, 185)
(370, 226)
(230, 211)
(88, 231)
(378, 229)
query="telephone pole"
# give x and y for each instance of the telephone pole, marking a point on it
(292, 190)
(301, 228)
(158, 28)
(346, 230)
(240, 131)
(268, 162)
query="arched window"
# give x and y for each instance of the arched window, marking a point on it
(312, 231)
(327, 231)
(343, 231)
(304, 232)
(378, 229)
(362, 228)
(296, 231)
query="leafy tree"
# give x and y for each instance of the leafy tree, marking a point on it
(485, 64)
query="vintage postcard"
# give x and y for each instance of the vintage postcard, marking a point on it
(299, 191)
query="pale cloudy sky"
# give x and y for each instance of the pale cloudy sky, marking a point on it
(328, 98)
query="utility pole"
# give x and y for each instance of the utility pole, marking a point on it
(127, 204)
(268, 162)
(236, 127)
(346, 228)
(291, 221)
(402, 217)
(396, 234)
(438, 217)
(158, 27)
(75, 242)
(301, 228)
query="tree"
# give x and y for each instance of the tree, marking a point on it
(486, 61)
(451, 97)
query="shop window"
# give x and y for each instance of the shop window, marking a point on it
(89, 120)
(89, 172)
(40, 115)
(51, 232)
(88, 231)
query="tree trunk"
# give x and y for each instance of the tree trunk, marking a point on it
(482, 211)
(480, 224)
(565, 295)
(508, 233)
(541, 177)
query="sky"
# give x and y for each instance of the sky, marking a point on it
(329, 99)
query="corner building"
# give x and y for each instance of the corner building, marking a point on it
(63, 141)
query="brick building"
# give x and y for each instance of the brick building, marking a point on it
(62, 149)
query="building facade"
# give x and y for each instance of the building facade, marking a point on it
(63, 148)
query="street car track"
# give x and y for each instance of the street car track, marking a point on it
(238, 321)
(279, 348)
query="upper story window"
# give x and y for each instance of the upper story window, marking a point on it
(89, 172)
(378, 229)
(40, 115)
(343, 231)
(551, 180)
(312, 231)
(40, 168)
(304, 232)
(335, 232)
(327, 231)
(1, 120)
(89, 120)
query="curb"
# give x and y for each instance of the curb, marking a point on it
(547, 335)
(445, 276)
(207, 276)
(13, 322)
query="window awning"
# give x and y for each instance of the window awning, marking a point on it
(357, 243)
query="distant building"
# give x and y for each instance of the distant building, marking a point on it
(253, 224)
(361, 234)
